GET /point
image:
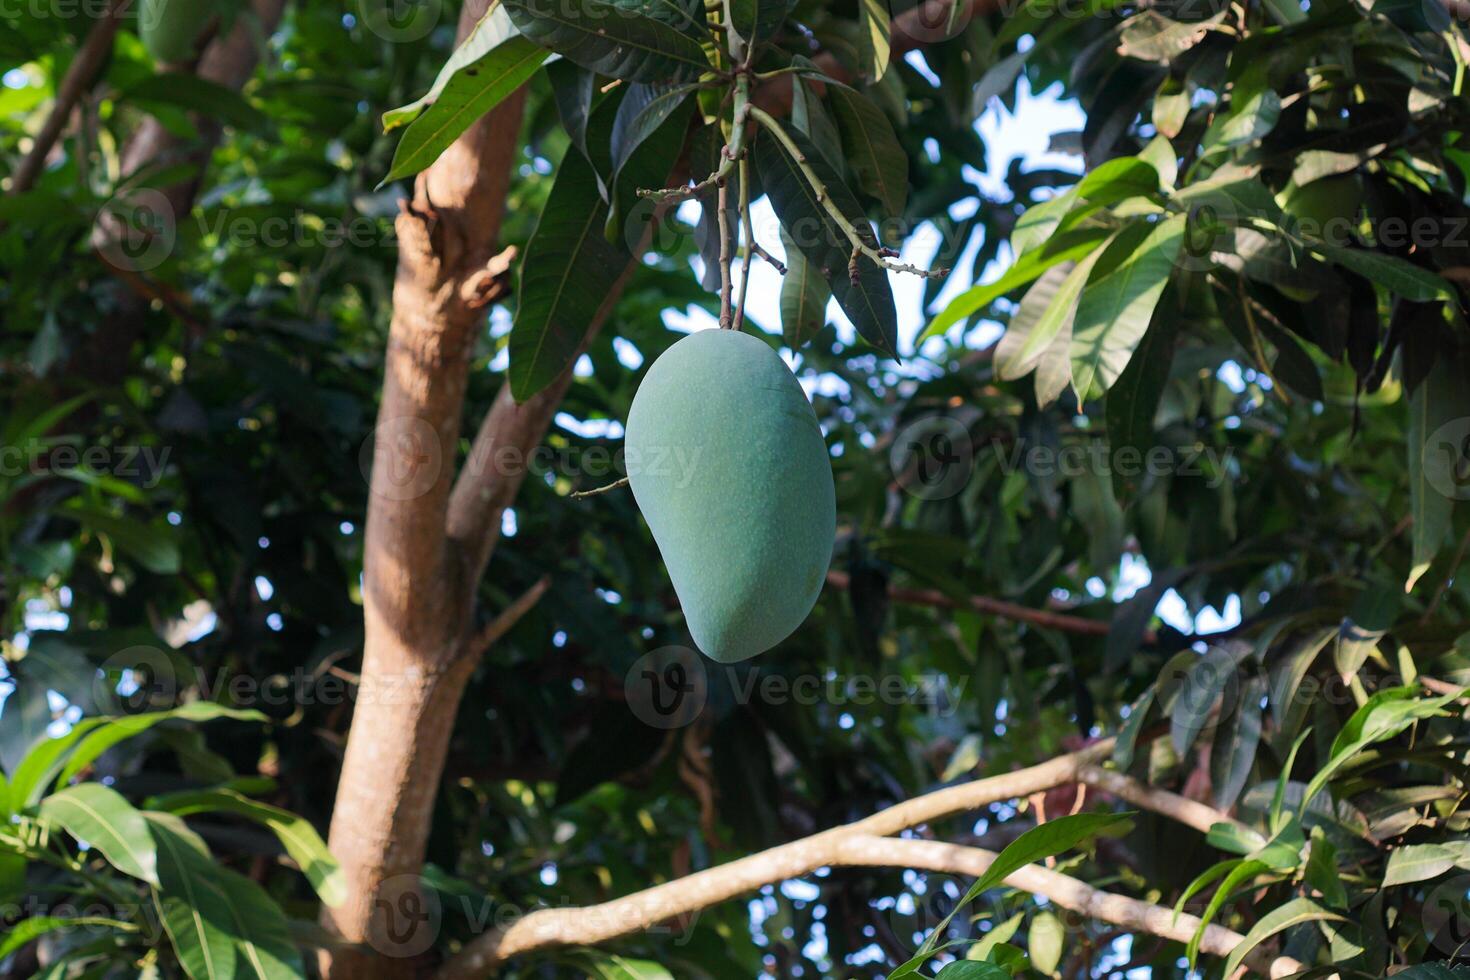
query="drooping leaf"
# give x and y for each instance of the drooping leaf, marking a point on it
(804, 295)
(754, 21)
(492, 63)
(1433, 461)
(572, 87)
(871, 148)
(1279, 919)
(100, 816)
(296, 834)
(634, 40)
(1133, 401)
(1417, 862)
(1391, 272)
(874, 44)
(1045, 942)
(643, 110)
(1237, 737)
(867, 301)
(568, 272)
(1115, 311)
(1118, 180)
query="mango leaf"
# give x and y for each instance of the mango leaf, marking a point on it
(1048, 308)
(1045, 941)
(296, 834)
(1134, 399)
(1438, 400)
(610, 966)
(754, 21)
(643, 110)
(874, 44)
(804, 295)
(1118, 180)
(1072, 246)
(1417, 862)
(973, 970)
(490, 32)
(115, 730)
(871, 148)
(1240, 872)
(572, 87)
(100, 816)
(809, 115)
(1236, 740)
(1039, 221)
(28, 930)
(1200, 688)
(1279, 919)
(868, 302)
(1114, 312)
(1391, 272)
(634, 40)
(1038, 843)
(468, 94)
(569, 271)
(209, 910)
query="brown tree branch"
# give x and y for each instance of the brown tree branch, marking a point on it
(1179, 808)
(78, 78)
(509, 616)
(994, 607)
(868, 843)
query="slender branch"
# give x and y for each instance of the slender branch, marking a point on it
(864, 843)
(79, 76)
(760, 250)
(878, 254)
(509, 616)
(616, 484)
(994, 607)
(722, 212)
(749, 227)
(1181, 809)
(733, 151)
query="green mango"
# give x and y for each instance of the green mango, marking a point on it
(170, 28)
(728, 464)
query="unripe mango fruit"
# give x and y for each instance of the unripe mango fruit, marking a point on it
(728, 464)
(170, 28)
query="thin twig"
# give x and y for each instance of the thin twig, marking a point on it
(749, 226)
(509, 616)
(876, 252)
(84, 68)
(598, 490)
(722, 203)
(776, 263)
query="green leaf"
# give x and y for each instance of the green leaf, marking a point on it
(468, 94)
(754, 21)
(1236, 739)
(221, 923)
(100, 816)
(1039, 221)
(1385, 715)
(804, 295)
(643, 110)
(1240, 872)
(633, 40)
(1114, 312)
(1417, 862)
(810, 116)
(296, 834)
(1133, 401)
(973, 970)
(1118, 180)
(28, 930)
(1391, 272)
(492, 30)
(1436, 402)
(1153, 36)
(1279, 919)
(1247, 122)
(41, 765)
(1070, 247)
(1128, 734)
(868, 302)
(1200, 688)
(1040, 842)
(569, 271)
(115, 730)
(871, 148)
(874, 44)
(1046, 311)
(613, 967)
(1045, 941)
